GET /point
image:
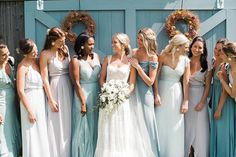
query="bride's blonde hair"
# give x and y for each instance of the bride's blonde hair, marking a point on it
(124, 40)
(149, 40)
(176, 41)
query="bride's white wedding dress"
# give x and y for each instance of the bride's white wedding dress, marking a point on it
(123, 134)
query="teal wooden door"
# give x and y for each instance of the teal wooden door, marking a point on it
(112, 16)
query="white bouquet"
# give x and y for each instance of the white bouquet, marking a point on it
(113, 93)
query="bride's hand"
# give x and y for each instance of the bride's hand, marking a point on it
(1, 119)
(134, 62)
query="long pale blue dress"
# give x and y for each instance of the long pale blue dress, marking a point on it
(122, 134)
(197, 133)
(59, 123)
(147, 101)
(84, 129)
(10, 136)
(34, 135)
(170, 121)
(222, 135)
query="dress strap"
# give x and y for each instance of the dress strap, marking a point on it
(109, 59)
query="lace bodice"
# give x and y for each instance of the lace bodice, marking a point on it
(117, 73)
(33, 79)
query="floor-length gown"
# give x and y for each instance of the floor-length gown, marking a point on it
(10, 136)
(118, 134)
(34, 135)
(147, 101)
(59, 123)
(222, 135)
(197, 122)
(84, 134)
(170, 122)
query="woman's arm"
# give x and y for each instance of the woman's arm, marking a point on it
(75, 73)
(184, 106)
(43, 61)
(20, 79)
(132, 79)
(103, 72)
(230, 90)
(149, 80)
(157, 99)
(206, 91)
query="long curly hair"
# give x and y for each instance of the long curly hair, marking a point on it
(203, 57)
(149, 40)
(52, 35)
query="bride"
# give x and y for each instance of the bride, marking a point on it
(123, 133)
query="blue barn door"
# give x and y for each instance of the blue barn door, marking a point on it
(112, 16)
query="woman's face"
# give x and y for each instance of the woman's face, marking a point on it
(140, 40)
(89, 45)
(183, 48)
(59, 43)
(116, 45)
(5, 54)
(197, 48)
(218, 50)
(34, 52)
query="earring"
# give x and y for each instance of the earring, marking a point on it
(53, 43)
(82, 47)
(229, 59)
(177, 49)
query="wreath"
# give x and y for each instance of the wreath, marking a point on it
(78, 17)
(188, 17)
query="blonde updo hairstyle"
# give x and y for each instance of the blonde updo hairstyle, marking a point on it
(4, 53)
(149, 40)
(124, 40)
(174, 43)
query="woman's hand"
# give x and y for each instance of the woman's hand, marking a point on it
(31, 117)
(1, 119)
(219, 75)
(134, 62)
(199, 106)
(157, 100)
(217, 113)
(53, 105)
(184, 107)
(83, 110)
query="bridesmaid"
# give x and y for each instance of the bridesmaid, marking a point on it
(54, 61)
(222, 137)
(84, 68)
(173, 65)
(145, 62)
(10, 139)
(229, 56)
(197, 118)
(32, 100)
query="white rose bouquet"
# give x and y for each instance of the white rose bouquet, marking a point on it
(113, 93)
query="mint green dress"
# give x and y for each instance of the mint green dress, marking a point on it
(84, 129)
(147, 101)
(10, 136)
(222, 135)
